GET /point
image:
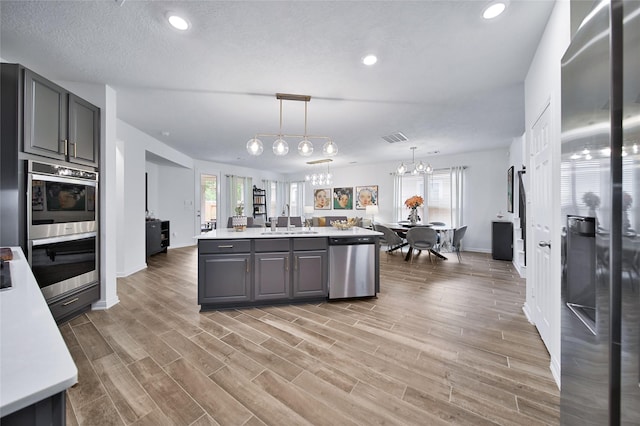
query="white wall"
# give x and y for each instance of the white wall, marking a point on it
(542, 86)
(485, 190)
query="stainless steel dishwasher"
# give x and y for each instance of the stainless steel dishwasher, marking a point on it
(352, 267)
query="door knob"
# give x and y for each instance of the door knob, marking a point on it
(544, 244)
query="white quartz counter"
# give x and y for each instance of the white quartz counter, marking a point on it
(320, 231)
(34, 360)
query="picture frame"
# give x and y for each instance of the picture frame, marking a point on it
(366, 196)
(322, 199)
(343, 198)
(510, 190)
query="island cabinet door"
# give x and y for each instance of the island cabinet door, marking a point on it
(224, 278)
(271, 276)
(310, 273)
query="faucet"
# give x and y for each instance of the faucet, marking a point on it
(288, 217)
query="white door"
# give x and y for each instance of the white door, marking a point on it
(541, 294)
(208, 212)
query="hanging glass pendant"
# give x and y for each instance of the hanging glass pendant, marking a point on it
(254, 146)
(305, 148)
(280, 147)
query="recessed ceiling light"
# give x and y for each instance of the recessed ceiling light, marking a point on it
(494, 10)
(178, 22)
(369, 60)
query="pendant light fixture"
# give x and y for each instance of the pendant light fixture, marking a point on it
(280, 146)
(418, 168)
(316, 179)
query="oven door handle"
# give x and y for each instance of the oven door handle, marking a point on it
(61, 239)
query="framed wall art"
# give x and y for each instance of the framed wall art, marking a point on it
(343, 198)
(366, 196)
(322, 198)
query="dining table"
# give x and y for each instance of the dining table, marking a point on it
(445, 237)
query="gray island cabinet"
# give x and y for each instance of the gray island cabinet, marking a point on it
(258, 267)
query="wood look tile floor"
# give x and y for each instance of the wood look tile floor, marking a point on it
(444, 343)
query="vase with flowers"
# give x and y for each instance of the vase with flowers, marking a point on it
(239, 222)
(413, 203)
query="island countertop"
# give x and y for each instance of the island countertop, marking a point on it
(35, 361)
(297, 232)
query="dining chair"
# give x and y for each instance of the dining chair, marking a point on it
(458, 235)
(295, 221)
(422, 238)
(391, 239)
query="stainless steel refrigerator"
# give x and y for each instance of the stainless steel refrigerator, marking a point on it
(600, 195)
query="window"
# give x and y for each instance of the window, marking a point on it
(442, 191)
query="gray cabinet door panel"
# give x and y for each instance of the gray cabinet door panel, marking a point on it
(45, 117)
(84, 131)
(271, 276)
(224, 278)
(310, 273)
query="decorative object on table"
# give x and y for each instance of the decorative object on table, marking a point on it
(322, 199)
(280, 146)
(413, 203)
(510, 190)
(343, 198)
(343, 225)
(592, 201)
(366, 196)
(239, 221)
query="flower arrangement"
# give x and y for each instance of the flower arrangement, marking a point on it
(591, 200)
(414, 202)
(239, 209)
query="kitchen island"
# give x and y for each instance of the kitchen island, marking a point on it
(258, 267)
(36, 367)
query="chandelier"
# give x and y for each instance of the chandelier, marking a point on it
(317, 179)
(418, 168)
(280, 146)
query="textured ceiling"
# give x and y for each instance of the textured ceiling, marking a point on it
(446, 78)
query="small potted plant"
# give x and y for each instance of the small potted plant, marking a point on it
(239, 221)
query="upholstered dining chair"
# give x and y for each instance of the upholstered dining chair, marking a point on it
(422, 238)
(295, 221)
(458, 235)
(391, 239)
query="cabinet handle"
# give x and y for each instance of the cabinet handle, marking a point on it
(66, 147)
(246, 261)
(227, 246)
(71, 301)
(75, 150)
(286, 264)
(296, 265)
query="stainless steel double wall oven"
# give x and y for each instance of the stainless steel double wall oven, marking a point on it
(62, 241)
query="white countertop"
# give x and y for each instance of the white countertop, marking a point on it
(34, 360)
(298, 232)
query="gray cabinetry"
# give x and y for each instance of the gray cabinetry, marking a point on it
(502, 240)
(271, 276)
(310, 267)
(59, 124)
(157, 236)
(224, 272)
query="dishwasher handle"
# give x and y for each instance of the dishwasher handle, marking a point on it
(349, 241)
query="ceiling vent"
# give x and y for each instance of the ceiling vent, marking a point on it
(395, 138)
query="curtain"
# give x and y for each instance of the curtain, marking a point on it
(457, 190)
(296, 198)
(277, 196)
(398, 202)
(239, 192)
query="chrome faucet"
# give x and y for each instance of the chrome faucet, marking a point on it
(288, 217)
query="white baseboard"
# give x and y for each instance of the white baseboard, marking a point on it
(122, 274)
(527, 312)
(522, 270)
(182, 245)
(555, 370)
(477, 250)
(101, 305)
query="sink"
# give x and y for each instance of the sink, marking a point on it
(289, 232)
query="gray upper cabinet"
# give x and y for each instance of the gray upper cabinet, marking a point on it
(58, 124)
(84, 131)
